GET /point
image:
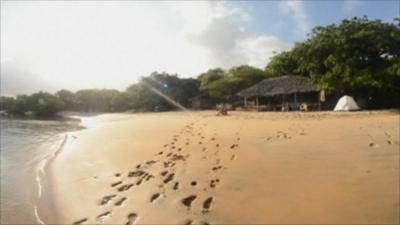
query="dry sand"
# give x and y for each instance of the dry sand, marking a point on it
(246, 168)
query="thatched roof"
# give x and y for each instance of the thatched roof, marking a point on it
(281, 85)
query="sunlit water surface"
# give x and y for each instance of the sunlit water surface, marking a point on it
(26, 146)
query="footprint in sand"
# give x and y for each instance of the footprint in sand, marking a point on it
(233, 146)
(163, 173)
(372, 144)
(215, 168)
(188, 200)
(150, 162)
(125, 187)
(176, 186)
(169, 178)
(207, 204)
(149, 176)
(120, 201)
(193, 183)
(116, 183)
(154, 197)
(81, 221)
(213, 183)
(131, 218)
(188, 222)
(139, 182)
(106, 199)
(233, 157)
(136, 173)
(102, 216)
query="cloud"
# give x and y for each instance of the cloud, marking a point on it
(78, 45)
(296, 10)
(351, 4)
(230, 44)
(15, 79)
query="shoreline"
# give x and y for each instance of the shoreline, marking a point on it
(266, 143)
(43, 173)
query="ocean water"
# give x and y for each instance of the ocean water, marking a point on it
(25, 148)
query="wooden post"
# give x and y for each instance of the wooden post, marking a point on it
(245, 102)
(295, 98)
(319, 101)
(257, 103)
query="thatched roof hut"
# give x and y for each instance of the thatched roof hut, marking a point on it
(282, 85)
(289, 89)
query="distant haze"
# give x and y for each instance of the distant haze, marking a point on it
(53, 45)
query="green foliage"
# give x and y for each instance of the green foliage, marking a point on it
(68, 99)
(285, 63)
(44, 104)
(39, 104)
(20, 105)
(219, 84)
(95, 100)
(6, 103)
(161, 91)
(209, 77)
(357, 56)
(354, 54)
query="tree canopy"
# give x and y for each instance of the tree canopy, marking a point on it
(225, 85)
(162, 91)
(356, 53)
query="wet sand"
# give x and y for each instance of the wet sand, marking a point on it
(246, 168)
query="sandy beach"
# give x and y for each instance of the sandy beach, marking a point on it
(245, 168)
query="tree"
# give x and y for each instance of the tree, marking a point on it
(44, 104)
(68, 99)
(287, 62)
(20, 105)
(357, 56)
(162, 91)
(6, 103)
(95, 100)
(226, 85)
(120, 102)
(40, 104)
(209, 77)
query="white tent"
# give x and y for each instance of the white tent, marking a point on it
(346, 103)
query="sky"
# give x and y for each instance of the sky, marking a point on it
(51, 45)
